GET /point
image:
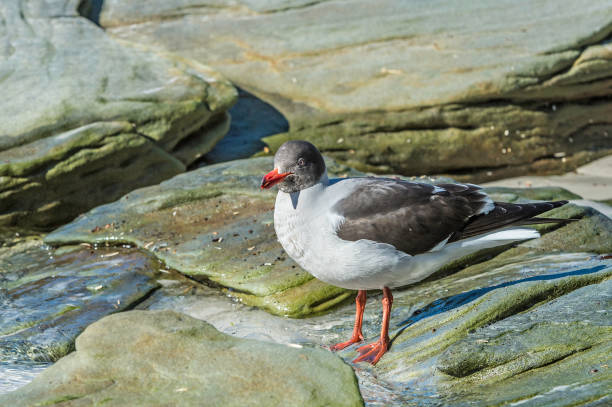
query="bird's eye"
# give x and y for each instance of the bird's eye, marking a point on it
(301, 162)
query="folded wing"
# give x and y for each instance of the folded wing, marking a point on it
(411, 216)
(416, 217)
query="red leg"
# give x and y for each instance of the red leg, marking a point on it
(360, 303)
(374, 351)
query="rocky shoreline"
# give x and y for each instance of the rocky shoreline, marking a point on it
(214, 225)
(138, 259)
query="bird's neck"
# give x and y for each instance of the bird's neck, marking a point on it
(324, 180)
(308, 195)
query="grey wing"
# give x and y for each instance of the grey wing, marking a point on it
(413, 217)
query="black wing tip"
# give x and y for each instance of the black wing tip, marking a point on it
(536, 221)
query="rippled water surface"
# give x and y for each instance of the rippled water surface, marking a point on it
(15, 375)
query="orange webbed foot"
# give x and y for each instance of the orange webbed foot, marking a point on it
(372, 352)
(342, 345)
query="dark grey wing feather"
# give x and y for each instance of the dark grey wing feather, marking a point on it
(507, 214)
(413, 217)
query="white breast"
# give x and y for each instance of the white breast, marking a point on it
(306, 227)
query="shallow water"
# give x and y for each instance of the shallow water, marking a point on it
(47, 297)
(14, 375)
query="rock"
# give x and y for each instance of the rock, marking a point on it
(434, 87)
(85, 118)
(538, 312)
(547, 333)
(49, 297)
(506, 194)
(518, 298)
(161, 358)
(507, 328)
(519, 342)
(215, 224)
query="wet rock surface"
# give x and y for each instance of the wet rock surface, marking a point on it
(85, 118)
(48, 297)
(430, 87)
(576, 326)
(530, 296)
(161, 358)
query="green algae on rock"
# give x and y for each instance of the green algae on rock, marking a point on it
(160, 358)
(85, 118)
(212, 223)
(435, 87)
(563, 344)
(544, 334)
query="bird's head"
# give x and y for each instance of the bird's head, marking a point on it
(297, 165)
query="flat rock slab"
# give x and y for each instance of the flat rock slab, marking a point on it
(484, 90)
(506, 330)
(85, 118)
(166, 358)
(212, 223)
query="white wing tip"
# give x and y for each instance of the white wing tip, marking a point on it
(512, 234)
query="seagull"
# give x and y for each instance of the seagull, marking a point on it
(366, 233)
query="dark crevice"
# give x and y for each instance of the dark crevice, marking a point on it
(151, 139)
(252, 120)
(297, 7)
(90, 9)
(142, 299)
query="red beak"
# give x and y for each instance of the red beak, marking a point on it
(272, 178)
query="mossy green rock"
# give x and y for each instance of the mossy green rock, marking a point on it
(573, 333)
(212, 223)
(85, 118)
(481, 90)
(146, 358)
(215, 224)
